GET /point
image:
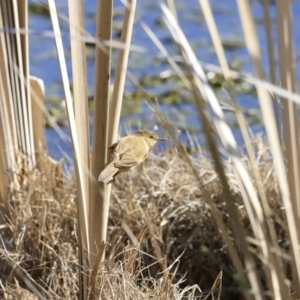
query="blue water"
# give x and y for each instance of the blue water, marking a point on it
(44, 64)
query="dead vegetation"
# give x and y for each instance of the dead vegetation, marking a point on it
(163, 241)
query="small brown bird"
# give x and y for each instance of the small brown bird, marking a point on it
(128, 153)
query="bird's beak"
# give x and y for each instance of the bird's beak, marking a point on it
(162, 140)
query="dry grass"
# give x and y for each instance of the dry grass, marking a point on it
(162, 238)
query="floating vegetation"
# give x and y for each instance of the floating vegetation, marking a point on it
(232, 44)
(37, 8)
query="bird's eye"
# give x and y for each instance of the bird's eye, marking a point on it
(151, 137)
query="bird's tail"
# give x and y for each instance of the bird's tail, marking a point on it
(108, 173)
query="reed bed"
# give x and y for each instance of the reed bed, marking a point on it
(159, 216)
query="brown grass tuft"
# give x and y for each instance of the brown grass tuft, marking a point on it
(162, 240)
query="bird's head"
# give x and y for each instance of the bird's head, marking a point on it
(149, 137)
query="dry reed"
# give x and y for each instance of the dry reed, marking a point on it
(43, 242)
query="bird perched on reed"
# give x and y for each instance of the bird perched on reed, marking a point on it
(129, 152)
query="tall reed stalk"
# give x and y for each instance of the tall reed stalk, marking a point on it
(99, 204)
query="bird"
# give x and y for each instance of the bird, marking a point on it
(128, 153)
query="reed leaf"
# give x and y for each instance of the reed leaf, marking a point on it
(271, 57)
(80, 88)
(78, 161)
(81, 110)
(119, 82)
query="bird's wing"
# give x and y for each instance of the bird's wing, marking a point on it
(127, 160)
